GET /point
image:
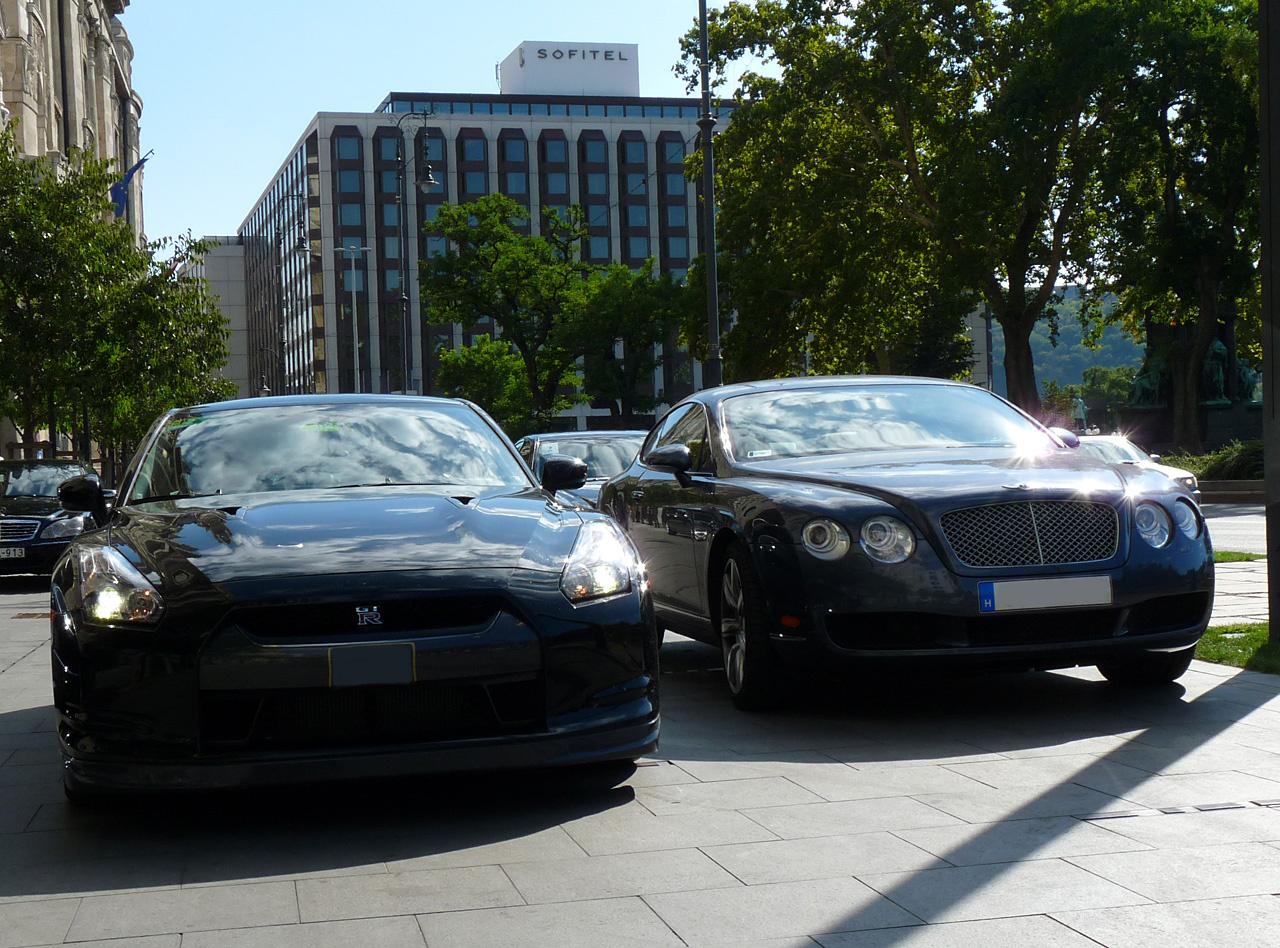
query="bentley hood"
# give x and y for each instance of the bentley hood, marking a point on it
(311, 533)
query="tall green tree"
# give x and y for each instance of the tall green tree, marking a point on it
(533, 287)
(1181, 182)
(488, 373)
(911, 150)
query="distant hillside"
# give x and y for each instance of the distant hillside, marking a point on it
(1065, 363)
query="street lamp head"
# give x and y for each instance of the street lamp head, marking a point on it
(428, 182)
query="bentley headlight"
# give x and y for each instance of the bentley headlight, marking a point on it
(1185, 517)
(601, 564)
(110, 589)
(66, 527)
(887, 539)
(1153, 524)
(825, 539)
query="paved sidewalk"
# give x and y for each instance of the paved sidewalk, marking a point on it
(1004, 812)
(1240, 593)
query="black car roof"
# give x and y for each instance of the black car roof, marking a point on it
(715, 395)
(584, 435)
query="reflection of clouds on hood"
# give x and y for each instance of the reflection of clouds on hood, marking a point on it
(870, 418)
(318, 446)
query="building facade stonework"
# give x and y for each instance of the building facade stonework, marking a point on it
(66, 81)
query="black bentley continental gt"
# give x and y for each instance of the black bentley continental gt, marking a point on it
(841, 524)
(312, 588)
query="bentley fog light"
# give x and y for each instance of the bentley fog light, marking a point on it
(887, 539)
(825, 539)
(1186, 519)
(601, 564)
(1153, 524)
(110, 589)
(67, 527)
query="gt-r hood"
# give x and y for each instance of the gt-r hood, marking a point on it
(946, 476)
(361, 530)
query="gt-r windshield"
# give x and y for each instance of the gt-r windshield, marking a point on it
(605, 457)
(303, 447)
(816, 421)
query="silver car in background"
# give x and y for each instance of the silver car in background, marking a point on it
(1118, 449)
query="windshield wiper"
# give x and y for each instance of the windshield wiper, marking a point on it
(174, 495)
(391, 483)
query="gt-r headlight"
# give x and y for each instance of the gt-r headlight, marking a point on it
(887, 539)
(1153, 524)
(109, 589)
(67, 527)
(825, 539)
(1185, 517)
(601, 563)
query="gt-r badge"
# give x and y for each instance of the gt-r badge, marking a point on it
(368, 615)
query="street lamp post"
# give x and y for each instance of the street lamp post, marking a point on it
(351, 254)
(402, 202)
(712, 369)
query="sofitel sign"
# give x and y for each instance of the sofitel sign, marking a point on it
(571, 69)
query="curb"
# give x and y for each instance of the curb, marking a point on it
(1233, 492)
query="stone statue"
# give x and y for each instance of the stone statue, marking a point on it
(1214, 378)
(1247, 382)
(1150, 386)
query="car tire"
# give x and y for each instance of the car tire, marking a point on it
(756, 680)
(1152, 668)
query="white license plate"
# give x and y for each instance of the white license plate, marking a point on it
(12, 552)
(1016, 594)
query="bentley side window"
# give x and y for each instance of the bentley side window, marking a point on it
(689, 429)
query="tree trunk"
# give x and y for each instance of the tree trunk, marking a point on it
(1019, 366)
(1184, 378)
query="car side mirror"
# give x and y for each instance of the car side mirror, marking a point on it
(1069, 438)
(671, 457)
(561, 472)
(1154, 457)
(83, 494)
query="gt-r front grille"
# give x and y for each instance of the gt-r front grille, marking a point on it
(12, 530)
(1033, 533)
(395, 618)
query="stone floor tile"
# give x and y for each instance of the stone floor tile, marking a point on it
(632, 828)
(1248, 922)
(184, 910)
(777, 910)
(1200, 789)
(35, 923)
(856, 783)
(846, 818)
(552, 843)
(1188, 829)
(910, 753)
(402, 932)
(607, 877)
(967, 893)
(1028, 931)
(405, 893)
(616, 923)
(724, 795)
(1024, 803)
(824, 857)
(76, 877)
(1048, 772)
(143, 941)
(745, 768)
(1206, 872)
(796, 941)
(658, 773)
(15, 818)
(1214, 756)
(974, 844)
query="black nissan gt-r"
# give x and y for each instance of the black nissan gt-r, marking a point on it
(308, 588)
(836, 524)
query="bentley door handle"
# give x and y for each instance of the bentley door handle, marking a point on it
(701, 534)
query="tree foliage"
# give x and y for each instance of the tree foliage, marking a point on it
(91, 323)
(488, 373)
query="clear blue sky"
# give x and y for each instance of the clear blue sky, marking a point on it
(228, 87)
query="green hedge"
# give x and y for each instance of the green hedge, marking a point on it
(1238, 461)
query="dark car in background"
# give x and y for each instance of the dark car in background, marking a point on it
(34, 528)
(326, 587)
(606, 453)
(871, 523)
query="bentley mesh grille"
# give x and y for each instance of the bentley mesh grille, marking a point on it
(18, 529)
(1032, 533)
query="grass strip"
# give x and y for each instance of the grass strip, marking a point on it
(1242, 646)
(1232, 556)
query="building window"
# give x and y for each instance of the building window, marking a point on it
(557, 182)
(593, 152)
(351, 243)
(476, 182)
(678, 247)
(677, 216)
(473, 149)
(673, 152)
(430, 212)
(433, 149)
(390, 182)
(635, 184)
(598, 215)
(391, 215)
(633, 153)
(598, 248)
(352, 278)
(675, 184)
(517, 183)
(391, 247)
(348, 149)
(637, 247)
(390, 149)
(513, 149)
(559, 210)
(597, 184)
(351, 215)
(555, 150)
(349, 182)
(637, 215)
(392, 279)
(577, 109)
(436, 247)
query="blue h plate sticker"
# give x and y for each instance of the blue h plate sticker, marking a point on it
(986, 597)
